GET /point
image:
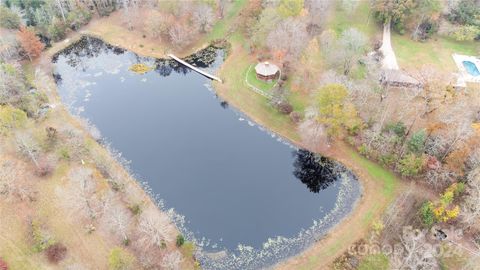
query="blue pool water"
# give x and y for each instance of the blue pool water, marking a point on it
(472, 69)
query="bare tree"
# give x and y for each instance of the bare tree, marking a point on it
(28, 147)
(470, 213)
(155, 229)
(172, 260)
(203, 17)
(8, 176)
(352, 45)
(116, 218)
(79, 195)
(180, 35)
(288, 37)
(417, 252)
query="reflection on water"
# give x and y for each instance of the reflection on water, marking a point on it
(314, 171)
(235, 187)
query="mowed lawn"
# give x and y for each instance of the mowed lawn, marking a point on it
(436, 52)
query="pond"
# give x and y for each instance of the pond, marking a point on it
(246, 197)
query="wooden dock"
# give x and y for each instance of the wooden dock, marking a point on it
(194, 68)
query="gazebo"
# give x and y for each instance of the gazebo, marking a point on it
(267, 71)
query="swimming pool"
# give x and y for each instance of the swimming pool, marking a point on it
(471, 68)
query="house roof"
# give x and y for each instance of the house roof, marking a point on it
(266, 69)
(398, 76)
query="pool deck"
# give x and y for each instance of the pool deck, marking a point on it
(463, 76)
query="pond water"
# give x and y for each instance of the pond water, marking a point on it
(238, 191)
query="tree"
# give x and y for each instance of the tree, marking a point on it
(30, 43)
(352, 45)
(180, 35)
(203, 17)
(334, 109)
(117, 219)
(410, 165)
(416, 144)
(173, 260)
(394, 11)
(155, 229)
(290, 8)
(465, 12)
(8, 18)
(470, 213)
(417, 252)
(288, 38)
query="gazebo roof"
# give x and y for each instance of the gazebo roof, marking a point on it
(266, 69)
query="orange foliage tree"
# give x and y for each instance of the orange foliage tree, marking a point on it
(31, 44)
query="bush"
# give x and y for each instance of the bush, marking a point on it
(136, 209)
(45, 167)
(410, 165)
(465, 33)
(398, 128)
(416, 144)
(180, 240)
(8, 18)
(120, 259)
(10, 118)
(284, 107)
(57, 30)
(374, 261)
(387, 160)
(78, 17)
(3, 265)
(56, 253)
(296, 117)
(426, 213)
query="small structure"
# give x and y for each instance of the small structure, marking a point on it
(267, 71)
(398, 78)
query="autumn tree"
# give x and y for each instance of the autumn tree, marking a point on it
(470, 213)
(335, 111)
(394, 11)
(30, 43)
(290, 8)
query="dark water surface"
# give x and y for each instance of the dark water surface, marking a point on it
(235, 183)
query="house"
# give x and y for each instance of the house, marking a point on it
(267, 71)
(398, 78)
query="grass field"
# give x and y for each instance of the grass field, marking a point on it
(436, 51)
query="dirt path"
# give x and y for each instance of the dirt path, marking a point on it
(389, 58)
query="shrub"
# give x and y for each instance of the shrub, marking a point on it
(56, 253)
(296, 117)
(78, 17)
(180, 240)
(10, 118)
(465, 33)
(374, 261)
(410, 165)
(45, 167)
(416, 144)
(41, 240)
(387, 160)
(120, 259)
(284, 107)
(8, 18)
(363, 150)
(136, 209)
(57, 30)
(426, 213)
(398, 128)
(3, 265)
